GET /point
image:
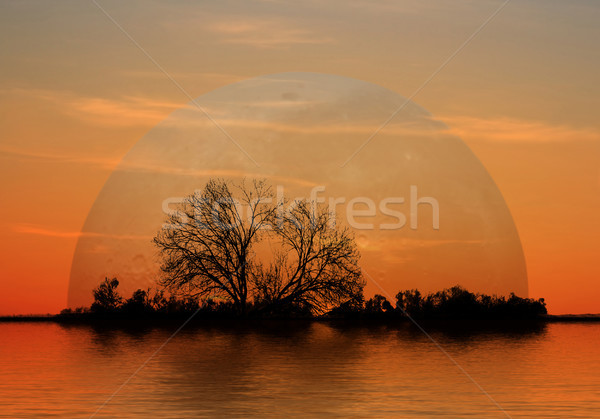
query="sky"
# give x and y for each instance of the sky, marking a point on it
(76, 94)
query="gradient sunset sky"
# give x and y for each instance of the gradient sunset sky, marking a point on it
(77, 94)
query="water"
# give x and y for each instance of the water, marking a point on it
(303, 370)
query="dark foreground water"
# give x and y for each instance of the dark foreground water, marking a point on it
(303, 370)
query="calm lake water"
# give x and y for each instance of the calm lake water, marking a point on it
(303, 370)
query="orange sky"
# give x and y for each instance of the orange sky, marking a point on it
(76, 94)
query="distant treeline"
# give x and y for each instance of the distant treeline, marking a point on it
(451, 303)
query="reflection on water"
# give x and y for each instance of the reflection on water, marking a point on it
(299, 370)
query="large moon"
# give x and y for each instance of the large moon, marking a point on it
(299, 131)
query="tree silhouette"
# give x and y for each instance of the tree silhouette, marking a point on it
(457, 302)
(454, 303)
(106, 296)
(317, 265)
(206, 246)
(138, 303)
(378, 304)
(207, 250)
(409, 302)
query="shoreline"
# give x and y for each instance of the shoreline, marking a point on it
(165, 319)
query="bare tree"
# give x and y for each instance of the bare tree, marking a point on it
(207, 250)
(317, 265)
(206, 246)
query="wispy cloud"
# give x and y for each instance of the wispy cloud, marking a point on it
(42, 231)
(231, 115)
(516, 130)
(116, 164)
(105, 163)
(125, 111)
(264, 33)
(397, 244)
(193, 77)
(121, 111)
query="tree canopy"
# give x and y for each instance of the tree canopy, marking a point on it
(208, 250)
(106, 296)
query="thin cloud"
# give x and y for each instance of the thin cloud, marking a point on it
(408, 126)
(264, 33)
(117, 165)
(405, 244)
(127, 111)
(195, 77)
(516, 130)
(106, 163)
(196, 173)
(41, 231)
(123, 111)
